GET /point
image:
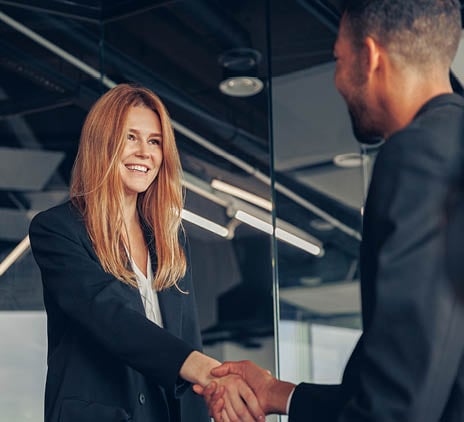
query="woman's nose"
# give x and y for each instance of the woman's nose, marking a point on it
(142, 150)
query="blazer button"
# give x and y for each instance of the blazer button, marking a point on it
(142, 398)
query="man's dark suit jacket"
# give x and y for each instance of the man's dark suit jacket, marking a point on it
(408, 365)
(106, 360)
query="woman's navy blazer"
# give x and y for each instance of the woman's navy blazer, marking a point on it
(106, 360)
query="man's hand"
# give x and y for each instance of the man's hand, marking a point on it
(229, 398)
(257, 378)
(271, 393)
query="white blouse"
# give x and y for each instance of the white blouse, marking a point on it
(148, 295)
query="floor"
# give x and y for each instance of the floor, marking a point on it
(22, 365)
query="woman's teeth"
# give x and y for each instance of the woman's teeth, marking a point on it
(138, 168)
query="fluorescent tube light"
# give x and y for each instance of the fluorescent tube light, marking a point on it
(298, 242)
(242, 194)
(14, 255)
(253, 221)
(204, 223)
(280, 234)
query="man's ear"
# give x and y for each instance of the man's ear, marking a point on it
(372, 56)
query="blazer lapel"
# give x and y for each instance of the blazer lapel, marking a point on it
(132, 292)
(170, 300)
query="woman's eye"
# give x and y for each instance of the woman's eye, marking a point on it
(154, 141)
(131, 137)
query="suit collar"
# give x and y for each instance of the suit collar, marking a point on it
(441, 100)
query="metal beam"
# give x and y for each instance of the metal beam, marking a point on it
(324, 13)
(74, 10)
(10, 108)
(122, 10)
(96, 13)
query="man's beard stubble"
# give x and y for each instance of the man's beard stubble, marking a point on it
(362, 125)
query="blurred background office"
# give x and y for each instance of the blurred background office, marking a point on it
(275, 182)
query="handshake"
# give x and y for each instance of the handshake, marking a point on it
(243, 391)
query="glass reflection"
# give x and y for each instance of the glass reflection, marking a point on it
(321, 176)
(57, 58)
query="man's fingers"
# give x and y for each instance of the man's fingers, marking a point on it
(221, 371)
(197, 388)
(210, 389)
(233, 398)
(218, 393)
(207, 392)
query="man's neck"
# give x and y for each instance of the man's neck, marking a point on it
(409, 99)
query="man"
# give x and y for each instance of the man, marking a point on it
(393, 60)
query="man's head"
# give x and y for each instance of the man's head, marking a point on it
(419, 37)
(416, 32)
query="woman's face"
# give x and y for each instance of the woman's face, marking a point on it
(143, 153)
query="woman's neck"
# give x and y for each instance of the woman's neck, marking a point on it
(130, 214)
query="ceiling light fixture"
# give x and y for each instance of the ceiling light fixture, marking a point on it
(240, 72)
(284, 235)
(253, 221)
(204, 223)
(241, 193)
(298, 242)
(350, 160)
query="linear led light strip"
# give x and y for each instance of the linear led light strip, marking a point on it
(23, 246)
(280, 234)
(242, 194)
(314, 247)
(205, 223)
(14, 255)
(257, 223)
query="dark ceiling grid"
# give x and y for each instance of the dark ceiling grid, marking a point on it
(95, 11)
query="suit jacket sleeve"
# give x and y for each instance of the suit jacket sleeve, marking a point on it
(315, 402)
(98, 302)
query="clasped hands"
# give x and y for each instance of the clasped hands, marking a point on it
(243, 391)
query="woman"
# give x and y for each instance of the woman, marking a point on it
(123, 337)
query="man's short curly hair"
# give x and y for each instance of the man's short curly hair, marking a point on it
(421, 32)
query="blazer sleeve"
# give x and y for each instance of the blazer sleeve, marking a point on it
(99, 303)
(315, 402)
(413, 343)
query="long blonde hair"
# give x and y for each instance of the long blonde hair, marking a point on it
(97, 190)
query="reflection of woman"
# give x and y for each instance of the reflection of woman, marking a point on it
(118, 349)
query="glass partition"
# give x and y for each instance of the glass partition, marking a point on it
(214, 64)
(320, 180)
(57, 58)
